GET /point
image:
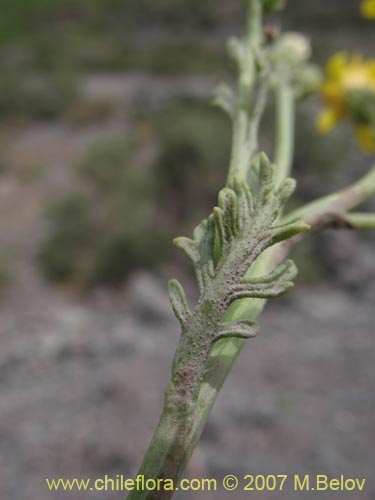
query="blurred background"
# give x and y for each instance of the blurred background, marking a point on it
(108, 150)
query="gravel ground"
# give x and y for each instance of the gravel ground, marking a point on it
(81, 390)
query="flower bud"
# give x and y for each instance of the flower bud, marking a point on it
(270, 6)
(294, 47)
(307, 80)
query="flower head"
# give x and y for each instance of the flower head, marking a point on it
(349, 94)
(368, 9)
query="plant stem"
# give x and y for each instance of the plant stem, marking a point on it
(285, 116)
(361, 220)
(179, 439)
(285, 122)
(243, 139)
(174, 441)
(341, 201)
(178, 432)
(332, 211)
(225, 352)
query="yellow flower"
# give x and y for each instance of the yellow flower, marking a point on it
(368, 9)
(349, 94)
(366, 137)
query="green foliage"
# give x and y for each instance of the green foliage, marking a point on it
(125, 250)
(76, 32)
(223, 250)
(270, 6)
(106, 164)
(24, 93)
(239, 229)
(310, 265)
(195, 149)
(362, 107)
(328, 158)
(98, 235)
(183, 56)
(70, 236)
(21, 19)
(17, 17)
(202, 128)
(85, 111)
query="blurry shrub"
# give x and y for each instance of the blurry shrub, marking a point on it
(124, 250)
(98, 235)
(163, 57)
(20, 18)
(26, 94)
(17, 17)
(176, 11)
(195, 149)
(30, 172)
(99, 34)
(70, 235)
(310, 266)
(325, 155)
(106, 164)
(129, 207)
(3, 160)
(86, 110)
(5, 270)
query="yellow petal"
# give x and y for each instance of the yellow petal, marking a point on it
(368, 9)
(366, 137)
(326, 121)
(336, 64)
(371, 69)
(333, 93)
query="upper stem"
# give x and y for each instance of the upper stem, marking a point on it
(241, 152)
(254, 21)
(285, 117)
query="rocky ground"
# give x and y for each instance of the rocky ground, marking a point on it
(81, 390)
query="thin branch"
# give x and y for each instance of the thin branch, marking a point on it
(339, 202)
(333, 211)
(361, 221)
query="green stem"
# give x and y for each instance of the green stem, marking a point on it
(242, 152)
(332, 211)
(285, 117)
(254, 22)
(225, 353)
(285, 123)
(174, 440)
(361, 220)
(341, 201)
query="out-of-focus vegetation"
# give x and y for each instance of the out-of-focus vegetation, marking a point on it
(24, 94)
(126, 212)
(5, 270)
(100, 233)
(46, 45)
(19, 18)
(126, 206)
